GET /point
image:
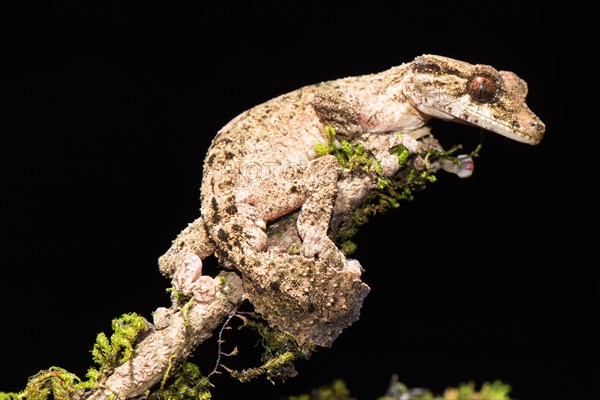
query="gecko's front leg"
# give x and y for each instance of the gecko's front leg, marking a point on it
(310, 186)
(314, 186)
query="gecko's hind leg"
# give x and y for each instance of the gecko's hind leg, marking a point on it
(183, 260)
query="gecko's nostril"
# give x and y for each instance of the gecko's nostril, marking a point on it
(538, 126)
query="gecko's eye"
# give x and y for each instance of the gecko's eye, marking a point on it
(482, 88)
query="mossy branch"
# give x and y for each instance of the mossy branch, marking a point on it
(280, 351)
(415, 171)
(137, 357)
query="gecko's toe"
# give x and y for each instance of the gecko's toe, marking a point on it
(317, 245)
(257, 239)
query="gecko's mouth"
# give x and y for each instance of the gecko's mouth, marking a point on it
(524, 127)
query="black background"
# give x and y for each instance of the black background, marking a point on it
(108, 109)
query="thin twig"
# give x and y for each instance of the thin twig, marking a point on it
(219, 341)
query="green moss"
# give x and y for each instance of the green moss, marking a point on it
(185, 311)
(348, 156)
(389, 192)
(466, 391)
(294, 249)
(272, 368)
(187, 383)
(53, 383)
(348, 246)
(119, 348)
(178, 297)
(11, 396)
(401, 152)
(475, 153)
(489, 391)
(92, 376)
(329, 147)
(59, 384)
(280, 350)
(336, 391)
(184, 302)
(402, 392)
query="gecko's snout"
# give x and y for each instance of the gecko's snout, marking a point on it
(538, 126)
(536, 130)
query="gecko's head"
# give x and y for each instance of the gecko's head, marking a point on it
(478, 95)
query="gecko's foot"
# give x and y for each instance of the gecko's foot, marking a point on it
(463, 166)
(188, 273)
(317, 245)
(466, 166)
(189, 281)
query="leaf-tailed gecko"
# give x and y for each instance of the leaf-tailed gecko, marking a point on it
(263, 165)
